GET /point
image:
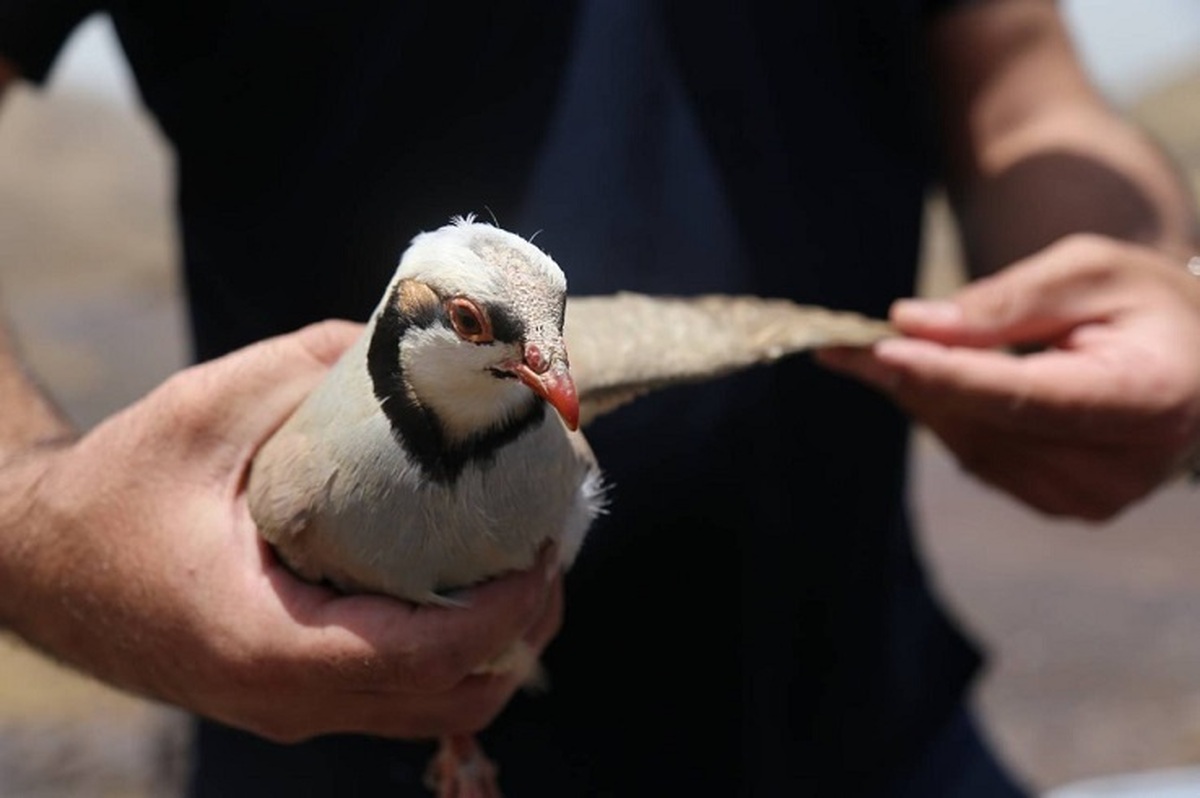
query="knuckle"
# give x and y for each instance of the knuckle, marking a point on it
(179, 406)
(168, 402)
(324, 341)
(990, 298)
(1085, 248)
(1085, 260)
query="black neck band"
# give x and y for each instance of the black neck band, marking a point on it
(416, 426)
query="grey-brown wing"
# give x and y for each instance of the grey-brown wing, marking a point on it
(624, 345)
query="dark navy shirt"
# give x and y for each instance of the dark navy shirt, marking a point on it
(750, 617)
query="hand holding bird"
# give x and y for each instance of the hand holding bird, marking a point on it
(134, 557)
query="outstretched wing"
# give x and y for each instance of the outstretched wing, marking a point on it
(625, 344)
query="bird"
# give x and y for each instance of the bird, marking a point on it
(444, 449)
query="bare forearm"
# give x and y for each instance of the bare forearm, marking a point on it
(1090, 173)
(29, 425)
(1035, 154)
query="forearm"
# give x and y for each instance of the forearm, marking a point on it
(29, 425)
(1034, 152)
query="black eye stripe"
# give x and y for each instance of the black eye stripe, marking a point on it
(505, 326)
(414, 425)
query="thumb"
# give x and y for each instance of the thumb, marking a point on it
(1038, 300)
(241, 398)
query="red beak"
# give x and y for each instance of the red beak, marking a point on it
(552, 382)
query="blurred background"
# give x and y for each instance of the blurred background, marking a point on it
(1095, 631)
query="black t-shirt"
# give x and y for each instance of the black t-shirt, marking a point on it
(750, 617)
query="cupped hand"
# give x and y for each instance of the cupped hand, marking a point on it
(132, 555)
(1070, 380)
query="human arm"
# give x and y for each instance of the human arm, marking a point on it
(1107, 406)
(1032, 152)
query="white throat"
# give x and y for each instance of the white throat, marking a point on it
(457, 384)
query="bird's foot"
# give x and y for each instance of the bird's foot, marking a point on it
(460, 769)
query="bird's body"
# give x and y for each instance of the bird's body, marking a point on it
(427, 460)
(542, 485)
(416, 467)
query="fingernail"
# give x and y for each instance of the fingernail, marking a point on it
(929, 312)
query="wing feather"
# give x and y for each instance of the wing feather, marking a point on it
(624, 345)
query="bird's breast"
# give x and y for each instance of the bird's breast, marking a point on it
(391, 530)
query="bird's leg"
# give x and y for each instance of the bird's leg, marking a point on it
(461, 770)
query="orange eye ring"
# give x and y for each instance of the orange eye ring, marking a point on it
(469, 321)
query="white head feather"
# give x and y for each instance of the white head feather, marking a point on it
(481, 261)
(492, 267)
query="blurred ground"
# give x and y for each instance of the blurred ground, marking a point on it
(1096, 630)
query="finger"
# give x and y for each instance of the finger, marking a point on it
(243, 397)
(521, 657)
(1054, 393)
(404, 647)
(326, 341)
(1037, 300)
(860, 363)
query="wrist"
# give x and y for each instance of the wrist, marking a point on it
(22, 530)
(36, 447)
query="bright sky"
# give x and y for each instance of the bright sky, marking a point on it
(1128, 45)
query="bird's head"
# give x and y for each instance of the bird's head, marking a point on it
(477, 314)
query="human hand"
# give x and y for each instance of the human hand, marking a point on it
(131, 554)
(1102, 412)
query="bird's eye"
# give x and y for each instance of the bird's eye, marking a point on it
(469, 321)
